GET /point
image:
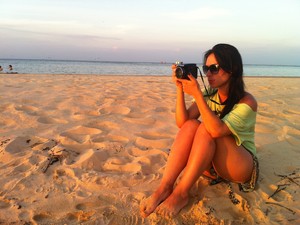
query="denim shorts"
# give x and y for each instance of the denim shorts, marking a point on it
(250, 184)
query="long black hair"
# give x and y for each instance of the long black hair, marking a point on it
(230, 60)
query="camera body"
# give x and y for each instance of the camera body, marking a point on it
(183, 70)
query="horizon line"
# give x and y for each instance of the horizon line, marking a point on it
(120, 61)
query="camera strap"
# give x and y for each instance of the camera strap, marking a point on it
(203, 81)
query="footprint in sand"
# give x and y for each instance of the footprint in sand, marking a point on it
(92, 159)
(81, 134)
(127, 219)
(42, 218)
(162, 109)
(122, 110)
(20, 144)
(30, 110)
(4, 204)
(86, 205)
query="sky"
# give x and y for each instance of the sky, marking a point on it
(265, 32)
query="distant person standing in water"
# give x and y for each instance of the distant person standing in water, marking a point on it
(1, 69)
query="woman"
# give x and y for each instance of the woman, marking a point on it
(222, 142)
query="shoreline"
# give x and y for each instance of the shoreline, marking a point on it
(135, 75)
(110, 138)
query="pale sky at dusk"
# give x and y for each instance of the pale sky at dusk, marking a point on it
(265, 32)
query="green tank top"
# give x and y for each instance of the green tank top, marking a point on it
(240, 121)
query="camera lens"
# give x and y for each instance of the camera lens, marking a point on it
(179, 72)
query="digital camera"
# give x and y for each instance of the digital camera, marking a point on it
(183, 70)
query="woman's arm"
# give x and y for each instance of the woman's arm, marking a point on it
(214, 125)
(182, 114)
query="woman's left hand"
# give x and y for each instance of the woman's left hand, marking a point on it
(190, 87)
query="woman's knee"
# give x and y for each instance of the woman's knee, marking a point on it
(202, 132)
(191, 124)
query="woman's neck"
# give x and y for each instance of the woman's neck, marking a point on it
(223, 94)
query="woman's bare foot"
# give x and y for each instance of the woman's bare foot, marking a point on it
(148, 205)
(172, 205)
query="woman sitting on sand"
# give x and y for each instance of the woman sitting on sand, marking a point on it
(222, 143)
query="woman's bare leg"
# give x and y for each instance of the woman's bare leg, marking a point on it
(225, 156)
(232, 162)
(199, 160)
(177, 161)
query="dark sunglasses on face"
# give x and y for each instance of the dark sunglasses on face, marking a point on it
(214, 69)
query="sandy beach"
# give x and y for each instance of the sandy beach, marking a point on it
(86, 149)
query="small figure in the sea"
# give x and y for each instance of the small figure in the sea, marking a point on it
(10, 68)
(220, 145)
(1, 69)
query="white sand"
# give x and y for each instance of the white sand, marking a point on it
(111, 136)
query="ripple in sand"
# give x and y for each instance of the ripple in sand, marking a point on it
(153, 143)
(291, 135)
(264, 126)
(140, 121)
(278, 101)
(6, 106)
(80, 134)
(24, 167)
(105, 126)
(83, 130)
(290, 111)
(79, 138)
(153, 135)
(6, 122)
(115, 110)
(266, 114)
(31, 110)
(121, 165)
(51, 120)
(114, 138)
(153, 140)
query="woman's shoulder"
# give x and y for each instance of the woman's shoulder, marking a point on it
(249, 100)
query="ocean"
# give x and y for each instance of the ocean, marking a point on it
(37, 66)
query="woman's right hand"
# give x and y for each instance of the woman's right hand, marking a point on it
(175, 79)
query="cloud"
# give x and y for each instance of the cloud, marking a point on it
(25, 32)
(199, 14)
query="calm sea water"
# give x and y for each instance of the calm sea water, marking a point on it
(126, 68)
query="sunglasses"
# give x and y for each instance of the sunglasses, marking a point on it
(214, 69)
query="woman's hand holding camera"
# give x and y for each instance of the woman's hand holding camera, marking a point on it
(174, 78)
(190, 87)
